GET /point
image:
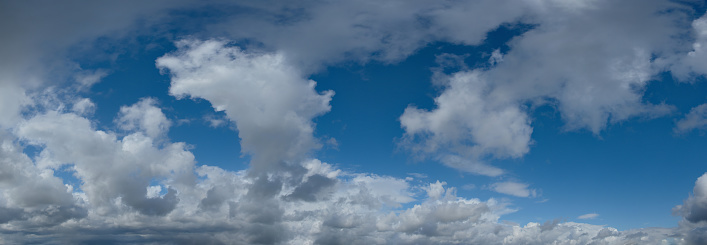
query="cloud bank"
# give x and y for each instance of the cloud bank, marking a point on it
(137, 186)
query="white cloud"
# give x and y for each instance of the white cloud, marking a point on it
(86, 79)
(112, 170)
(418, 175)
(513, 189)
(469, 125)
(480, 116)
(356, 208)
(588, 216)
(31, 195)
(144, 116)
(83, 106)
(270, 102)
(12, 98)
(605, 85)
(322, 33)
(695, 119)
(215, 121)
(693, 63)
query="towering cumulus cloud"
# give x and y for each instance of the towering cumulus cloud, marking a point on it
(267, 98)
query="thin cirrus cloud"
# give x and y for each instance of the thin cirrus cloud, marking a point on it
(588, 216)
(137, 186)
(513, 189)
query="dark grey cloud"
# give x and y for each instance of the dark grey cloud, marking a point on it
(315, 188)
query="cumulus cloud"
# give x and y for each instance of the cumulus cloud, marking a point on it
(694, 209)
(144, 116)
(325, 206)
(482, 114)
(605, 85)
(112, 170)
(468, 125)
(83, 106)
(30, 195)
(268, 99)
(134, 190)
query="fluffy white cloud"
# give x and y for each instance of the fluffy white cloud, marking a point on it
(83, 106)
(468, 125)
(31, 195)
(144, 116)
(112, 170)
(268, 99)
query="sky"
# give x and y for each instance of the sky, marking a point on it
(353, 122)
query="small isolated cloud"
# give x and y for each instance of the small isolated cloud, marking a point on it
(695, 119)
(588, 216)
(418, 175)
(86, 79)
(215, 121)
(469, 187)
(332, 143)
(513, 189)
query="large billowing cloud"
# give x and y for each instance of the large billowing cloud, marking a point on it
(111, 169)
(268, 99)
(586, 59)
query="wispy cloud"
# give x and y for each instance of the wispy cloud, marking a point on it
(588, 216)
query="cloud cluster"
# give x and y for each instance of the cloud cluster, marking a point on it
(136, 191)
(134, 185)
(585, 59)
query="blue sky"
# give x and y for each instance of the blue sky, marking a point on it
(399, 122)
